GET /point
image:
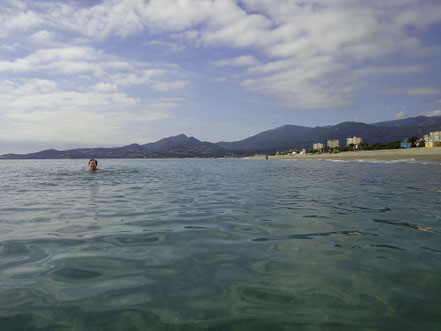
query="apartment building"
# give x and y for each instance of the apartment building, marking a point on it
(354, 140)
(433, 139)
(332, 143)
(317, 146)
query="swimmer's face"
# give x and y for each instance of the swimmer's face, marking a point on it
(92, 165)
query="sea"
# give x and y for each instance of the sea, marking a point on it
(220, 244)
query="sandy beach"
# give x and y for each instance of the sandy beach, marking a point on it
(419, 154)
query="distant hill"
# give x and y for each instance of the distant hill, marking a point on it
(291, 136)
(176, 147)
(279, 139)
(412, 121)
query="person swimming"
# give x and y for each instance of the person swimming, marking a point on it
(93, 165)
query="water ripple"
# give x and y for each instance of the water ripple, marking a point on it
(219, 244)
(313, 235)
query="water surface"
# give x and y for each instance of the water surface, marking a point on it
(219, 244)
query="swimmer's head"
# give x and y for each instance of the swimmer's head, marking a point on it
(92, 164)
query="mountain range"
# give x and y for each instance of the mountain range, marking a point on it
(279, 139)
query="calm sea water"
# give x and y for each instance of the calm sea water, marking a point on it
(219, 244)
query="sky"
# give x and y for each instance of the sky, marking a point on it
(115, 72)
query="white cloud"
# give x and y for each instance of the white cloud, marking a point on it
(10, 48)
(40, 110)
(62, 60)
(88, 65)
(302, 86)
(291, 33)
(43, 37)
(400, 115)
(338, 35)
(80, 94)
(17, 17)
(172, 85)
(16, 88)
(120, 18)
(81, 126)
(105, 87)
(433, 113)
(140, 77)
(241, 61)
(391, 70)
(67, 100)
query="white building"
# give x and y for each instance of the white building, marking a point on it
(354, 140)
(317, 146)
(332, 143)
(433, 139)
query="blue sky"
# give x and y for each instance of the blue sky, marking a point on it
(109, 73)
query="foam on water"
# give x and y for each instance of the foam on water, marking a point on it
(373, 161)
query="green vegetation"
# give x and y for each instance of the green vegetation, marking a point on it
(391, 145)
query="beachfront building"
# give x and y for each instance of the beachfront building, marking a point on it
(332, 143)
(317, 146)
(354, 140)
(433, 139)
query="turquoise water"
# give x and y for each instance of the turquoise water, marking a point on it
(219, 244)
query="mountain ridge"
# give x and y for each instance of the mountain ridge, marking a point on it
(175, 146)
(284, 137)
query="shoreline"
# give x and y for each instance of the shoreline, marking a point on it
(418, 154)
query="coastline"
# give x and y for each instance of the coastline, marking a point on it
(418, 154)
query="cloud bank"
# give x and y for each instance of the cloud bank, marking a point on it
(60, 62)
